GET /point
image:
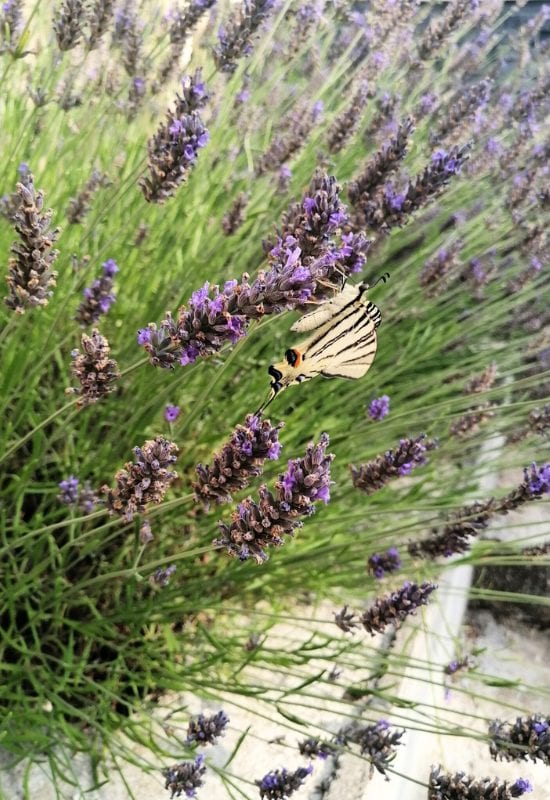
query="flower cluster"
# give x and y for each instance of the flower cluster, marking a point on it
(144, 481)
(72, 494)
(470, 520)
(235, 37)
(375, 474)
(460, 786)
(95, 371)
(240, 459)
(316, 748)
(236, 215)
(378, 743)
(380, 564)
(80, 205)
(392, 609)
(182, 22)
(205, 730)
(346, 123)
(30, 274)
(280, 784)
(99, 19)
(526, 738)
(379, 408)
(174, 148)
(440, 30)
(67, 24)
(256, 526)
(99, 297)
(185, 778)
(345, 620)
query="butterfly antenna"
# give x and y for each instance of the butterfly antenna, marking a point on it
(262, 408)
(383, 278)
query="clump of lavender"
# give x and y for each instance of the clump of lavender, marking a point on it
(30, 274)
(390, 207)
(256, 526)
(68, 22)
(345, 620)
(438, 271)
(239, 460)
(80, 205)
(380, 564)
(100, 15)
(470, 520)
(174, 148)
(281, 783)
(185, 778)
(378, 742)
(96, 373)
(394, 608)
(379, 408)
(72, 494)
(206, 730)
(236, 215)
(10, 24)
(316, 748)
(99, 297)
(236, 35)
(526, 738)
(375, 474)
(460, 786)
(143, 482)
(346, 123)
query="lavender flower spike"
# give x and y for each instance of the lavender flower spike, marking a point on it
(393, 609)
(255, 526)
(68, 22)
(460, 786)
(235, 37)
(185, 777)
(389, 561)
(375, 474)
(144, 481)
(206, 730)
(378, 742)
(69, 491)
(281, 783)
(379, 408)
(526, 738)
(99, 297)
(95, 371)
(240, 459)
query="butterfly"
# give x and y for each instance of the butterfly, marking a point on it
(342, 343)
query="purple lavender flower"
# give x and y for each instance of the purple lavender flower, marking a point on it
(257, 526)
(99, 297)
(240, 459)
(69, 491)
(537, 479)
(375, 474)
(316, 748)
(206, 730)
(236, 34)
(171, 413)
(394, 608)
(379, 407)
(378, 743)
(389, 561)
(526, 738)
(280, 784)
(186, 777)
(460, 786)
(521, 786)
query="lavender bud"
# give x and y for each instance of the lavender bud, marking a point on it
(99, 19)
(186, 777)
(236, 35)
(143, 482)
(393, 609)
(460, 786)
(257, 526)
(378, 743)
(69, 491)
(379, 408)
(345, 621)
(94, 370)
(205, 730)
(236, 215)
(30, 275)
(239, 460)
(375, 474)
(389, 561)
(67, 24)
(193, 94)
(99, 297)
(315, 748)
(280, 784)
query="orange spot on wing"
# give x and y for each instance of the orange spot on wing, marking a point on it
(298, 358)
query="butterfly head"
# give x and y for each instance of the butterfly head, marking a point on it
(284, 373)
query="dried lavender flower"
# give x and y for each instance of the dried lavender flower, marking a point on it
(30, 275)
(99, 297)
(206, 730)
(239, 460)
(68, 22)
(482, 382)
(345, 621)
(316, 748)
(236, 215)
(438, 271)
(375, 474)
(526, 738)
(469, 423)
(394, 608)
(257, 526)
(171, 413)
(470, 520)
(379, 408)
(280, 784)
(460, 786)
(186, 777)
(80, 205)
(378, 743)
(236, 35)
(346, 123)
(100, 15)
(95, 371)
(379, 564)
